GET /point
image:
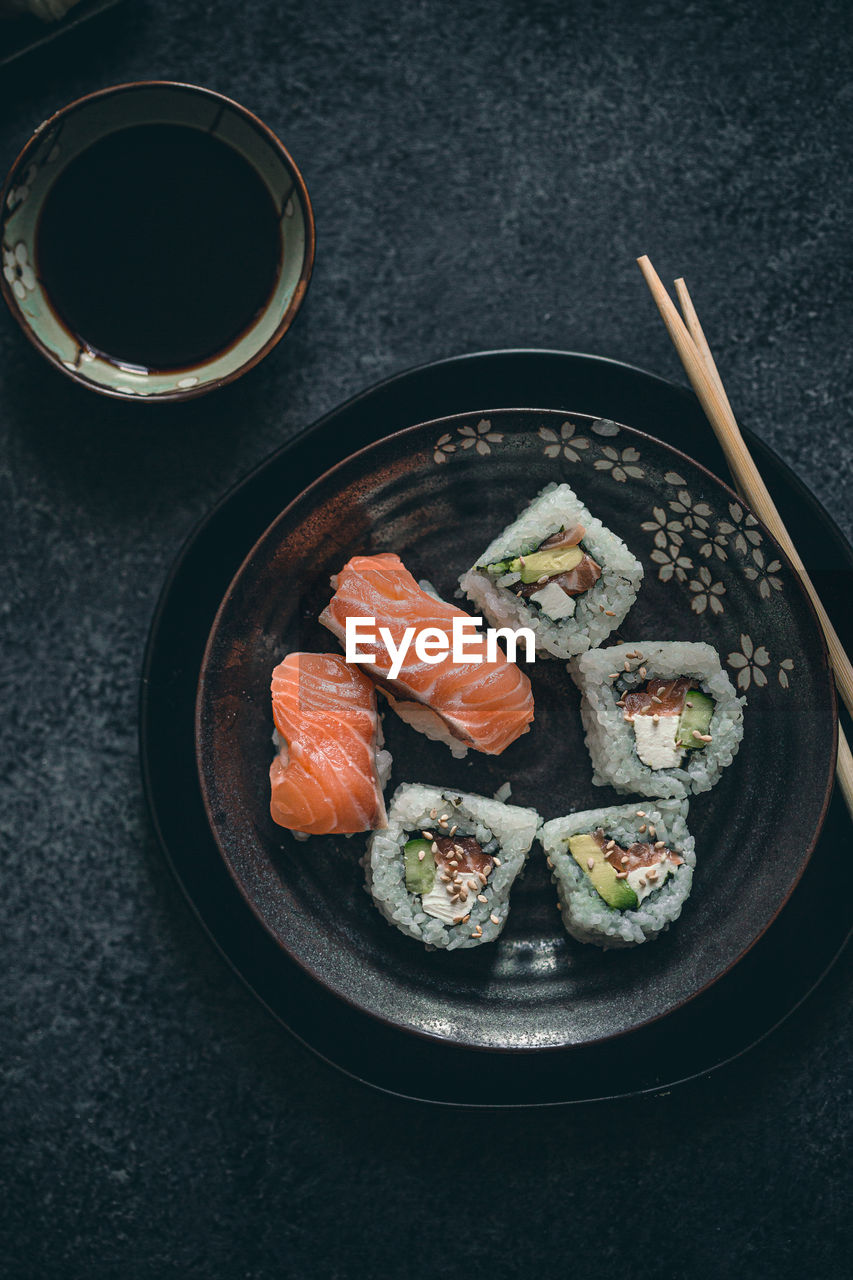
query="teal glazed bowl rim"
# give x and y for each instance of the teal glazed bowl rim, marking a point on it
(98, 373)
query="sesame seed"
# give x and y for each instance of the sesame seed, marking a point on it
(611, 613)
(454, 829)
(611, 844)
(427, 835)
(640, 813)
(433, 813)
(652, 875)
(652, 832)
(642, 828)
(655, 698)
(434, 847)
(624, 860)
(550, 863)
(614, 675)
(494, 919)
(421, 855)
(465, 919)
(659, 844)
(458, 919)
(484, 879)
(621, 875)
(472, 884)
(641, 882)
(655, 718)
(481, 897)
(590, 862)
(497, 861)
(443, 818)
(559, 906)
(627, 665)
(688, 704)
(478, 932)
(702, 737)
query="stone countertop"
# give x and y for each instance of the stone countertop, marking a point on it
(483, 176)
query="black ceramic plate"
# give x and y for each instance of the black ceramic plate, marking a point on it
(743, 1007)
(436, 494)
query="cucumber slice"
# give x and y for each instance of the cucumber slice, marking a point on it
(420, 872)
(697, 716)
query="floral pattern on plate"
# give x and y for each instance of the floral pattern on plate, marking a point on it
(480, 438)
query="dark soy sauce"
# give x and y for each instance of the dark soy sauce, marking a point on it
(158, 246)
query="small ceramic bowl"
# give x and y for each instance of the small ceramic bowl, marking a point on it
(73, 129)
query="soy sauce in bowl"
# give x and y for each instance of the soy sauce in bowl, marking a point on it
(162, 245)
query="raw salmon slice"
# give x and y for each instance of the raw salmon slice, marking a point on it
(657, 697)
(326, 776)
(485, 705)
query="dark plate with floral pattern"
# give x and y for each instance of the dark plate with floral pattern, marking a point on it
(436, 494)
(766, 988)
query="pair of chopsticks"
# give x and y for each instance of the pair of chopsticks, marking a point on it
(690, 343)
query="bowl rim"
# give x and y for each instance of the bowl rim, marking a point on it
(201, 754)
(202, 388)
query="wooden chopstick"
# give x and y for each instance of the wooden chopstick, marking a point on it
(695, 354)
(697, 333)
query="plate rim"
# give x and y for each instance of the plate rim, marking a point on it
(323, 477)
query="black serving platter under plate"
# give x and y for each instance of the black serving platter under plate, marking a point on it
(716, 1025)
(436, 494)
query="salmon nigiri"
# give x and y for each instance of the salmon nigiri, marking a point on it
(485, 705)
(326, 776)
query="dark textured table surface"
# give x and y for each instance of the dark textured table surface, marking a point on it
(483, 175)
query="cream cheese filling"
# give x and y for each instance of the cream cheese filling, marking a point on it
(655, 740)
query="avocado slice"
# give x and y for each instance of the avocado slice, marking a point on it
(538, 564)
(616, 893)
(696, 716)
(544, 564)
(420, 873)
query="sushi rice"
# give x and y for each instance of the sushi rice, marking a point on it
(506, 831)
(586, 916)
(610, 738)
(558, 507)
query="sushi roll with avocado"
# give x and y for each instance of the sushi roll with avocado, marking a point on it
(443, 868)
(661, 718)
(623, 873)
(559, 571)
